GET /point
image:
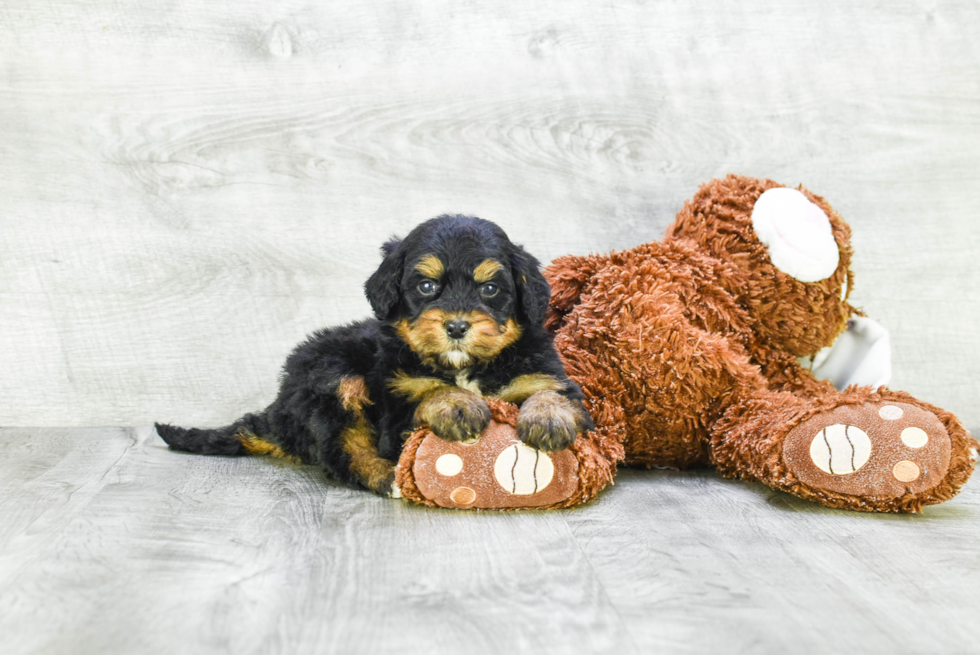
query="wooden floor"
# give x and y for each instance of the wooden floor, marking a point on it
(113, 544)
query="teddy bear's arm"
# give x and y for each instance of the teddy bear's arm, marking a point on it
(568, 277)
(785, 373)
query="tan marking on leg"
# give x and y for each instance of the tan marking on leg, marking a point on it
(256, 446)
(431, 267)
(524, 386)
(414, 389)
(486, 270)
(353, 393)
(373, 470)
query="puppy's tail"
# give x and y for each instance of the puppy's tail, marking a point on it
(220, 441)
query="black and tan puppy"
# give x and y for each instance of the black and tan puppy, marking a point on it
(459, 317)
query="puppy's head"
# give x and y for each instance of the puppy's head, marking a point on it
(458, 291)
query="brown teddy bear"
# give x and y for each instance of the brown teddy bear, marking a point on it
(690, 345)
(687, 350)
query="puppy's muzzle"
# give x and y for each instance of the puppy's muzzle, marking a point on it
(456, 328)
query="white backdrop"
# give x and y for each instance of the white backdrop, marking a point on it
(188, 188)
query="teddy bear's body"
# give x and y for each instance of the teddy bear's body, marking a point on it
(687, 349)
(687, 352)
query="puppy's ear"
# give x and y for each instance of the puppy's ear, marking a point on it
(383, 288)
(533, 292)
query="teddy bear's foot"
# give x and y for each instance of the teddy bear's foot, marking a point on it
(495, 471)
(873, 450)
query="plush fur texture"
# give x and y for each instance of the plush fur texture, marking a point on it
(687, 349)
(459, 313)
(595, 452)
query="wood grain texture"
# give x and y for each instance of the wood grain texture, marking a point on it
(194, 554)
(111, 543)
(188, 189)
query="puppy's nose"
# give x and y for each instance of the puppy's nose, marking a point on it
(456, 328)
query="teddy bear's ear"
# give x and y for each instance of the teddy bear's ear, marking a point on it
(383, 287)
(797, 234)
(533, 291)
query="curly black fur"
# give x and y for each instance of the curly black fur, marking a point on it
(507, 298)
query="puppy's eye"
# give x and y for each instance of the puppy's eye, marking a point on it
(427, 287)
(489, 290)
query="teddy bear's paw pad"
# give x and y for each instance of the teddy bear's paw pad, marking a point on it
(522, 470)
(495, 472)
(873, 449)
(797, 234)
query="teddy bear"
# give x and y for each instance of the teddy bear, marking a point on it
(689, 353)
(691, 346)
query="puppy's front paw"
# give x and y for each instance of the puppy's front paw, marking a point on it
(549, 421)
(454, 414)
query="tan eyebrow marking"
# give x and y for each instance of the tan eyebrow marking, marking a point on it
(486, 270)
(431, 266)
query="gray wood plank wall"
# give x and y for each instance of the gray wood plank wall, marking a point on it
(188, 188)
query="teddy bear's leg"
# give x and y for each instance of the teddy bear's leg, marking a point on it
(859, 449)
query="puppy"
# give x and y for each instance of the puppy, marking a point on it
(459, 317)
